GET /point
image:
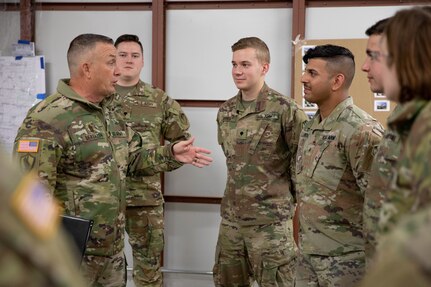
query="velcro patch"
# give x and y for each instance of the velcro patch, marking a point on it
(36, 207)
(28, 146)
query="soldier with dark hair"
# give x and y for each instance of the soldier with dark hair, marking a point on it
(334, 158)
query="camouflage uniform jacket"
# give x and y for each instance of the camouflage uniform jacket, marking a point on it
(411, 185)
(260, 143)
(34, 251)
(154, 116)
(404, 257)
(81, 154)
(333, 165)
(382, 171)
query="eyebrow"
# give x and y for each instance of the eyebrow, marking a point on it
(369, 51)
(241, 62)
(309, 69)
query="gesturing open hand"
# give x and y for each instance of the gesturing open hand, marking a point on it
(185, 152)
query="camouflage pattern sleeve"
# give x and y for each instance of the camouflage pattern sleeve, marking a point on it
(292, 126)
(411, 185)
(37, 148)
(219, 133)
(362, 149)
(378, 186)
(174, 126)
(143, 161)
(404, 256)
(417, 162)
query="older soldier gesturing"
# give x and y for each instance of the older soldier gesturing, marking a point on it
(78, 147)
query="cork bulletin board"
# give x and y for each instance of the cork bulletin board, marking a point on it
(376, 105)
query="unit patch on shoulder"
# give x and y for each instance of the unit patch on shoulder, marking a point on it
(36, 207)
(28, 146)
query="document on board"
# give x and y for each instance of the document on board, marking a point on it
(21, 80)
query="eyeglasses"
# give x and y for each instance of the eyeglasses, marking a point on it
(387, 57)
(374, 55)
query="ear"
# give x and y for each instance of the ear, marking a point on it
(265, 68)
(86, 70)
(338, 82)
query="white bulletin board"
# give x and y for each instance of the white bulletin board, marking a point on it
(21, 80)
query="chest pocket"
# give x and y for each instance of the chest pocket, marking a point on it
(146, 121)
(324, 159)
(266, 137)
(89, 143)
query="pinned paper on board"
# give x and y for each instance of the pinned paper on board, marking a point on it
(23, 49)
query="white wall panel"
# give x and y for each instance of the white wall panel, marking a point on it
(9, 31)
(198, 49)
(344, 22)
(191, 232)
(208, 181)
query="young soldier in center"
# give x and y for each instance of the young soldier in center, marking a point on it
(258, 130)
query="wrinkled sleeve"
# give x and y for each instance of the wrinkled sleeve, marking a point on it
(143, 161)
(363, 147)
(175, 126)
(219, 132)
(292, 126)
(419, 156)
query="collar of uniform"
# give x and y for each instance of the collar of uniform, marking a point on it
(140, 88)
(405, 114)
(136, 90)
(328, 122)
(260, 100)
(64, 89)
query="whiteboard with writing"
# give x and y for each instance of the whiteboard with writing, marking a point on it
(22, 79)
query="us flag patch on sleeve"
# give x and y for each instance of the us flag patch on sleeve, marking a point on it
(28, 146)
(36, 207)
